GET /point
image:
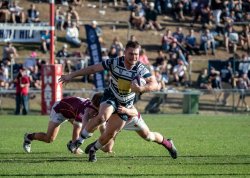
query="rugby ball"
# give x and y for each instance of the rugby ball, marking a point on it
(139, 80)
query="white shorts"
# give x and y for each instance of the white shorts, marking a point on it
(57, 117)
(135, 124)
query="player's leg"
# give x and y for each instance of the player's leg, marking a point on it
(77, 127)
(50, 136)
(56, 119)
(105, 111)
(109, 146)
(158, 138)
(144, 132)
(114, 125)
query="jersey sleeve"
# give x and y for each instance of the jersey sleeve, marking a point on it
(107, 64)
(143, 71)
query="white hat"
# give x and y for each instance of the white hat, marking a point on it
(94, 22)
(152, 4)
(65, 46)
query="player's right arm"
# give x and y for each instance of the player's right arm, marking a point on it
(129, 111)
(85, 71)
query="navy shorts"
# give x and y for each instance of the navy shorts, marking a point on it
(109, 98)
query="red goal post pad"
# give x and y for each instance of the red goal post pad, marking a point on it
(51, 88)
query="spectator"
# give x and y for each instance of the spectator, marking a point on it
(245, 37)
(17, 14)
(22, 92)
(197, 6)
(226, 74)
(178, 10)
(72, 16)
(173, 61)
(160, 79)
(203, 81)
(9, 52)
(72, 35)
(216, 7)
(77, 2)
(166, 41)
(178, 35)
(65, 2)
(160, 61)
(137, 17)
(207, 42)
(161, 6)
(4, 11)
(117, 44)
(4, 74)
(33, 14)
(231, 39)
(229, 19)
(35, 79)
(191, 45)
(206, 15)
(143, 58)
(179, 73)
(45, 41)
(214, 77)
(98, 30)
(131, 5)
(244, 65)
(242, 84)
(151, 18)
(60, 18)
(62, 56)
(177, 48)
(30, 62)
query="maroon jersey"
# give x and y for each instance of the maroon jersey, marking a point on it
(73, 107)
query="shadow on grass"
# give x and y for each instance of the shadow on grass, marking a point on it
(181, 160)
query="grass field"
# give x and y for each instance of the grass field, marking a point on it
(209, 146)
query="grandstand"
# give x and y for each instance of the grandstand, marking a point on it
(112, 20)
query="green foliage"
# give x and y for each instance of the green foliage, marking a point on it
(209, 146)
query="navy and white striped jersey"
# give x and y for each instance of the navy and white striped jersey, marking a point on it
(121, 78)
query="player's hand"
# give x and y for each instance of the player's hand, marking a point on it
(65, 78)
(135, 87)
(121, 110)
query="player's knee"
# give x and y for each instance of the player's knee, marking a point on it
(101, 120)
(50, 140)
(150, 137)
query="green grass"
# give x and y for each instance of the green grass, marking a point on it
(209, 146)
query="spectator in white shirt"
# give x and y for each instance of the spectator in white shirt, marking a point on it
(179, 72)
(72, 35)
(17, 14)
